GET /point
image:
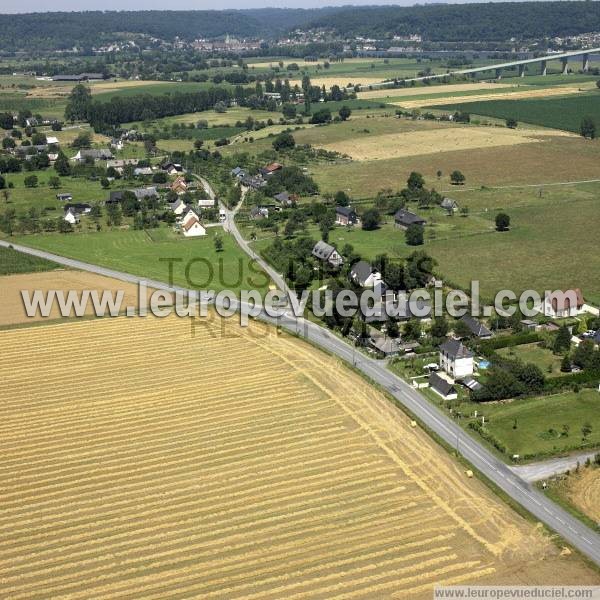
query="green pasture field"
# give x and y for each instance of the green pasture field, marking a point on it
(228, 118)
(12, 262)
(547, 247)
(155, 89)
(53, 108)
(537, 417)
(146, 254)
(44, 197)
(545, 359)
(556, 112)
(553, 78)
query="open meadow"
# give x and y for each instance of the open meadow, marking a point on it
(294, 478)
(561, 112)
(195, 262)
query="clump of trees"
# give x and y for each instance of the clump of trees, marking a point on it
(587, 128)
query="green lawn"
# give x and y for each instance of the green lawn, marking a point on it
(146, 254)
(44, 197)
(535, 417)
(545, 359)
(557, 112)
(167, 87)
(540, 422)
(12, 262)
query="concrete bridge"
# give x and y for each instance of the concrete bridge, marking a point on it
(522, 65)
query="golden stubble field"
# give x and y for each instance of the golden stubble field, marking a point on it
(141, 461)
(12, 309)
(438, 141)
(583, 489)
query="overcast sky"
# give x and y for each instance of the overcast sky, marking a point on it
(18, 6)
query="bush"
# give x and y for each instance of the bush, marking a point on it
(321, 116)
(502, 222)
(284, 141)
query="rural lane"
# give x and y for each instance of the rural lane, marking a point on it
(553, 466)
(534, 501)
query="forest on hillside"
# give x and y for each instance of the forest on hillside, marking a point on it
(38, 32)
(494, 21)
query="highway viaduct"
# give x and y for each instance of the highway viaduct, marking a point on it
(522, 65)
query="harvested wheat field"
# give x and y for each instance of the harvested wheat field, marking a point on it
(341, 80)
(508, 94)
(13, 311)
(434, 141)
(451, 88)
(584, 492)
(230, 464)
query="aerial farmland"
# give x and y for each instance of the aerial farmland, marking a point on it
(293, 478)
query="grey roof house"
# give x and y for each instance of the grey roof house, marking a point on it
(442, 387)
(364, 274)
(404, 219)
(477, 328)
(327, 253)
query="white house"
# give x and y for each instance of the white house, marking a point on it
(563, 304)
(189, 215)
(327, 253)
(51, 139)
(456, 359)
(365, 275)
(178, 206)
(193, 228)
(71, 217)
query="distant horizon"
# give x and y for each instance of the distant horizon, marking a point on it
(15, 7)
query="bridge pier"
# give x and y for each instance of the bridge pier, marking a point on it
(544, 65)
(565, 66)
(498, 73)
(586, 63)
(521, 70)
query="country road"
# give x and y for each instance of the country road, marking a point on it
(571, 529)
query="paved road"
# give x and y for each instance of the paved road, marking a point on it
(570, 528)
(230, 226)
(554, 466)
